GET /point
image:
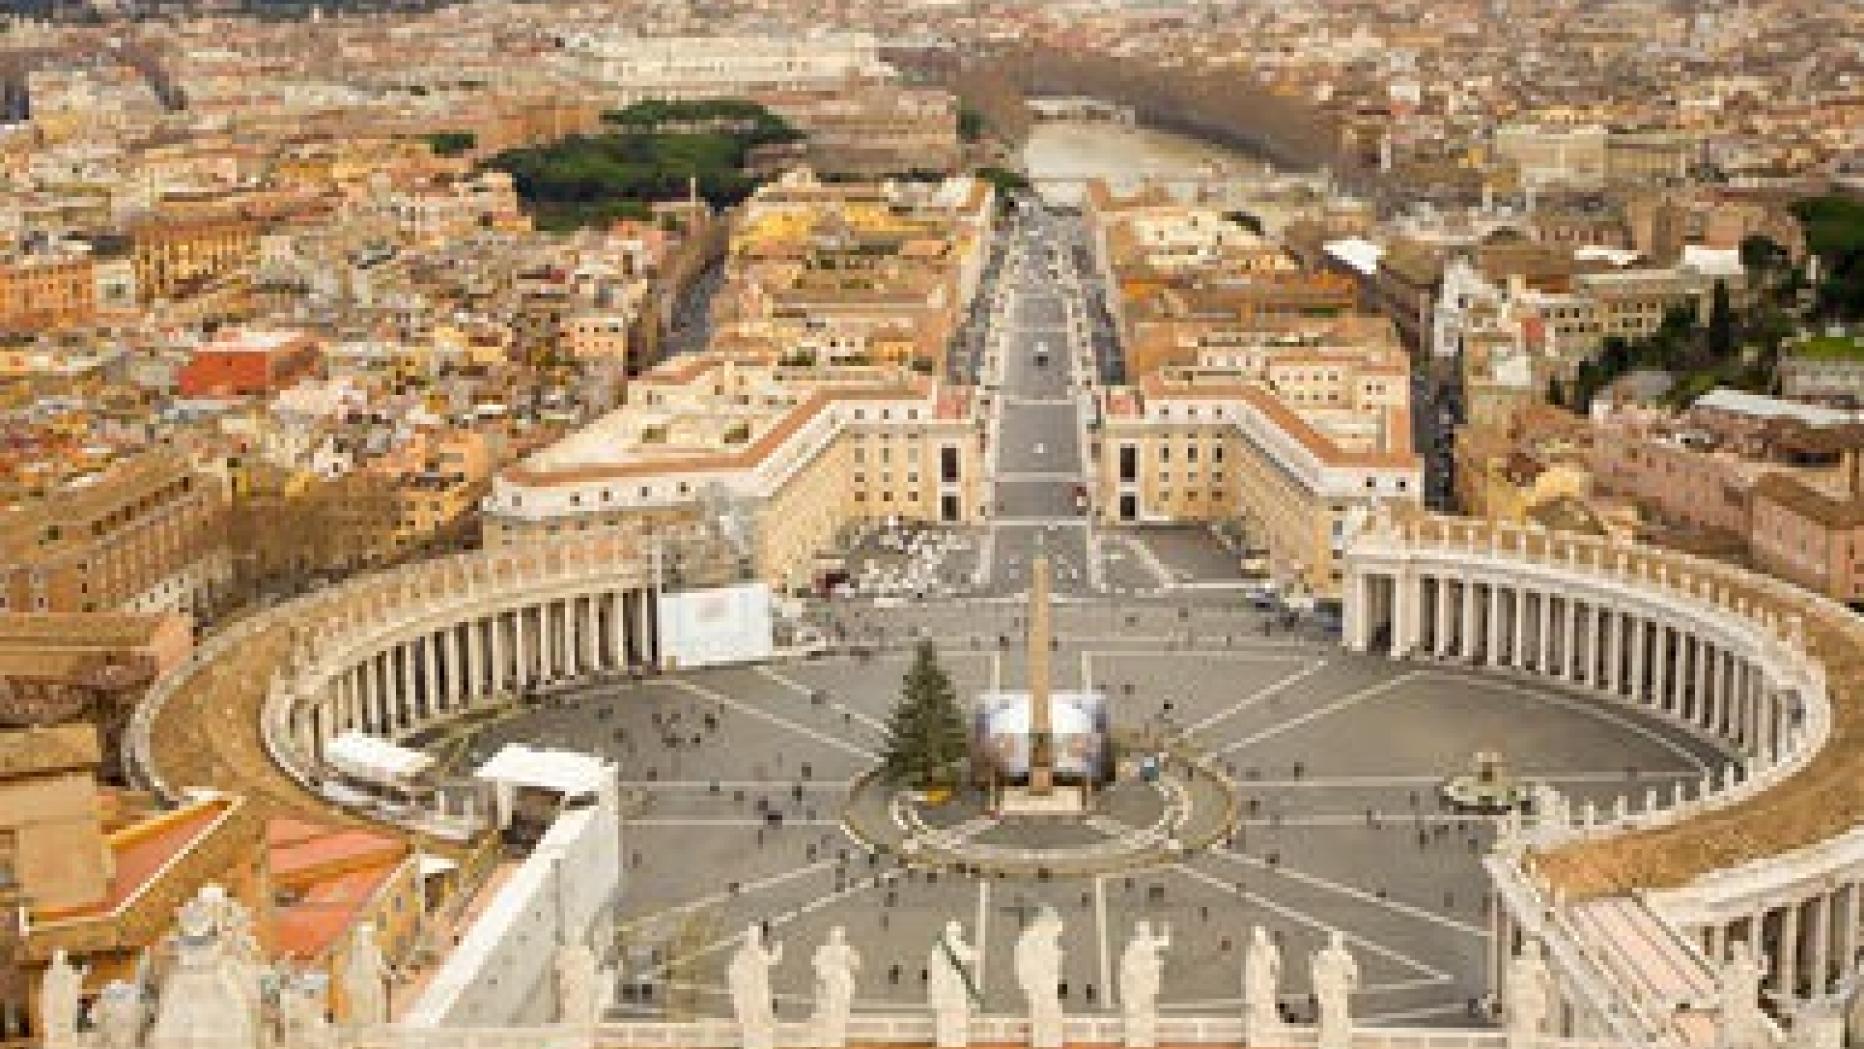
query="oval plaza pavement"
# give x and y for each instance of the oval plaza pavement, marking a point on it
(1336, 757)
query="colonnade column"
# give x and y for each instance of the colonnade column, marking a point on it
(378, 682)
(496, 679)
(1493, 656)
(365, 695)
(1543, 606)
(1612, 627)
(1636, 626)
(456, 689)
(1570, 620)
(521, 650)
(1518, 658)
(1741, 678)
(560, 628)
(592, 623)
(346, 699)
(1468, 648)
(430, 648)
(1850, 924)
(1786, 971)
(1821, 942)
(1659, 653)
(618, 629)
(1440, 615)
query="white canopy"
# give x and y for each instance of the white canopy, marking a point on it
(375, 759)
(564, 771)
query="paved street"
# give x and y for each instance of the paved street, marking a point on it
(1039, 469)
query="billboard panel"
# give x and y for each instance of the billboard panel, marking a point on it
(1077, 723)
(727, 624)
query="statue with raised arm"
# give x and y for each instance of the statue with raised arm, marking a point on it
(1142, 971)
(1527, 996)
(1038, 973)
(835, 964)
(579, 1001)
(59, 992)
(1335, 978)
(748, 977)
(949, 988)
(1743, 1026)
(1261, 988)
(365, 979)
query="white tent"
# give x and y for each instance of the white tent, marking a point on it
(564, 771)
(374, 759)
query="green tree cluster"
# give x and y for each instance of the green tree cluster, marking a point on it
(970, 124)
(730, 115)
(1005, 180)
(926, 741)
(592, 179)
(1700, 356)
(1834, 229)
(452, 143)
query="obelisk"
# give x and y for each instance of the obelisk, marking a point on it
(1041, 728)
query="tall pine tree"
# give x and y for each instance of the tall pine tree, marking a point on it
(1721, 324)
(926, 736)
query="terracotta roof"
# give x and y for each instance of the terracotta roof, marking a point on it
(79, 630)
(1809, 501)
(309, 927)
(1323, 447)
(142, 851)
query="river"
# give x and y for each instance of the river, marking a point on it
(1061, 154)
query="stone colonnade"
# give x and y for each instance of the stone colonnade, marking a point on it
(1653, 631)
(456, 654)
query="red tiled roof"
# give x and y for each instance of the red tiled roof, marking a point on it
(307, 929)
(142, 851)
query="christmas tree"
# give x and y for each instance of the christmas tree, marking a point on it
(926, 743)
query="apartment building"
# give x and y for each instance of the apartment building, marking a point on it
(1545, 155)
(873, 130)
(790, 454)
(246, 363)
(866, 271)
(144, 535)
(688, 67)
(47, 287)
(177, 253)
(1296, 437)
(1828, 369)
(1812, 533)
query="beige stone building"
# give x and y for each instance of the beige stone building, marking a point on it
(1296, 442)
(791, 453)
(145, 535)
